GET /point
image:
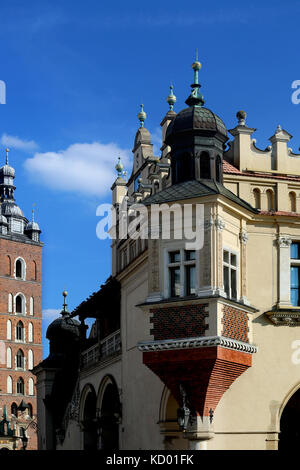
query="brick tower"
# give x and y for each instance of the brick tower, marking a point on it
(20, 313)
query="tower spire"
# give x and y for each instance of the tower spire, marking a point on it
(6, 150)
(196, 98)
(171, 99)
(142, 115)
(65, 310)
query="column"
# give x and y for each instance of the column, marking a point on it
(284, 243)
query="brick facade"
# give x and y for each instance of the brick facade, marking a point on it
(179, 322)
(235, 324)
(31, 286)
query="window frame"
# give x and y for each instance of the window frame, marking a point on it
(182, 265)
(295, 262)
(231, 267)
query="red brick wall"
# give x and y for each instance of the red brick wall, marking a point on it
(179, 322)
(31, 287)
(235, 324)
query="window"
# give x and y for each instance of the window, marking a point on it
(182, 273)
(20, 386)
(8, 358)
(8, 329)
(30, 412)
(219, 169)
(230, 274)
(205, 166)
(270, 200)
(18, 268)
(20, 304)
(256, 197)
(30, 332)
(30, 386)
(20, 331)
(30, 359)
(9, 384)
(295, 266)
(20, 362)
(14, 409)
(292, 198)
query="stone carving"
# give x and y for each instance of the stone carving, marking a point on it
(244, 237)
(284, 241)
(219, 223)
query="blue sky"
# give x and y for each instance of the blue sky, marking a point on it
(76, 72)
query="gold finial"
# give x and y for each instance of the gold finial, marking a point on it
(7, 150)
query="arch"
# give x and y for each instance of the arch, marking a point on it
(270, 199)
(30, 386)
(292, 199)
(20, 386)
(30, 332)
(7, 265)
(20, 331)
(31, 306)
(14, 409)
(108, 403)
(168, 422)
(33, 271)
(88, 417)
(20, 360)
(8, 329)
(289, 415)
(9, 384)
(8, 358)
(184, 167)
(10, 303)
(257, 198)
(30, 409)
(20, 268)
(30, 359)
(205, 171)
(20, 304)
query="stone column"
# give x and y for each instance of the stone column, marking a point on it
(284, 243)
(243, 267)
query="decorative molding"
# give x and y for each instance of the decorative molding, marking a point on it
(200, 342)
(284, 317)
(243, 237)
(219, 223)
(284, 241)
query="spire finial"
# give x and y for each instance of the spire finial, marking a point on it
(119, 167)
(65, 310)
(196, 98)
(142, 115)
(33, 206)
(171, 99)
(7, 150)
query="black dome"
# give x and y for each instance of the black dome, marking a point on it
(60, 326)
(196, 118)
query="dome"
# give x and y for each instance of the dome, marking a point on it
(196, 118)
(33, 226)
(8, 170)
(11, 209)
(61, 326)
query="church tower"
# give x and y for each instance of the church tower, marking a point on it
(20, 312)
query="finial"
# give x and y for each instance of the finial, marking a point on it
(7, 150)
(241, 116)
(33, 206)
(196, 98)
(119, 167)
(142, 115)
(65, 310)
(171, 99)
(278, 129)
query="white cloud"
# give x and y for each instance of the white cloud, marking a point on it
(50, 314)
(84, 168)
(17, 143)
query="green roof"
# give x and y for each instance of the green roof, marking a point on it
(195, 189)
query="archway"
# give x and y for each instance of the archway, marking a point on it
(173, 439)
(110, 414)
(88, 421)
(289, 437)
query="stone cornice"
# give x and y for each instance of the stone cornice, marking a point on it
(200, 342)
(286, 317)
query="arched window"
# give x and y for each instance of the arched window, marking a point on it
(20, 304)
(9, 384)
(184, 167)
(270, 199)
(30, 332)
(20, 386)
(14, 409)
(20, 269)
(30, 386)
(20, 360)
(20, 331)
(219, 169)
(8, 329)
(10, 303)
(256, 196)
(292, 198)
(30, 411)
(8, 358)
(31, 306)
(30, 359)
(33, 271)
(8, 266)
(205, 166)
